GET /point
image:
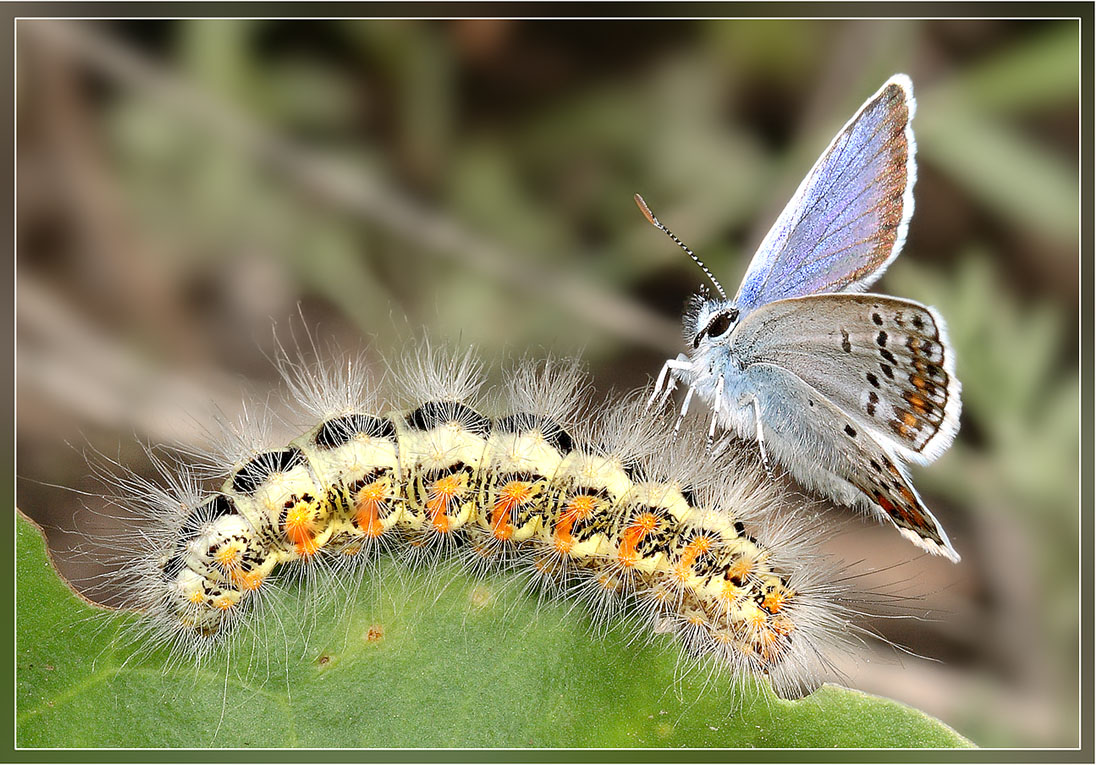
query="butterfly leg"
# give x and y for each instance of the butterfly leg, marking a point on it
(667, 381)
(716, 406)
(749, 400)
(684, 408)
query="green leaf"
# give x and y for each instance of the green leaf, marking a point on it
(477, 664)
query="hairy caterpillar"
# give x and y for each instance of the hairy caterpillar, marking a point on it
(597, 504)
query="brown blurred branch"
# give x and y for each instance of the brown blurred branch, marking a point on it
(98, 380)
(69, 167)
(355, 192)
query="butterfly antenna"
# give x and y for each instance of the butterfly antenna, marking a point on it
(650, 216)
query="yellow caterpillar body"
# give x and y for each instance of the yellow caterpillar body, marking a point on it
(599, 503)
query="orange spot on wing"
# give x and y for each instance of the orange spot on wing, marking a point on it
(883, 502)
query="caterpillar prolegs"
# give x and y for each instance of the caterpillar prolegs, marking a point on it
(599, 503)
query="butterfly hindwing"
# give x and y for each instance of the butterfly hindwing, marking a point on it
(848, 219)
(827, 450)
(883, 361)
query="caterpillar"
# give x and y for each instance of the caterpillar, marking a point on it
(596, 503)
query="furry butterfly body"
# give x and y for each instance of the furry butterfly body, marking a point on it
(842, 388)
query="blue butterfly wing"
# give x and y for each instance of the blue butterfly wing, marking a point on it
(848, 219)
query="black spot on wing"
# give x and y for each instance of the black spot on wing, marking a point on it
(873, 401)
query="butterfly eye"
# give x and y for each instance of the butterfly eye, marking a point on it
(718, 326)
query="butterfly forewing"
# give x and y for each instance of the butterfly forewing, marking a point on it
(848, 218)
(883, 361)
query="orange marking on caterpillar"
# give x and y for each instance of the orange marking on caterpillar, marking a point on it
(300, 524)
(442, 492)
(728, 591)
(633, 535)
(224, 604)
(250, 581)
(782, 625)
(228, 558)
(774, 600)
(370, 502)
(740, 569)
(514, 494)
(196, 598)
(769, 642)
(577, 509)
(692, 551)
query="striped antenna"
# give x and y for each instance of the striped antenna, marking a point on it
(650, 216)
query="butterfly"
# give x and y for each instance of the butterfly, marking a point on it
(840, 386)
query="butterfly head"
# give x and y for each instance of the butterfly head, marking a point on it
(708, 320)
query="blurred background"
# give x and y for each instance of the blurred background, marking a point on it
(181, 185)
